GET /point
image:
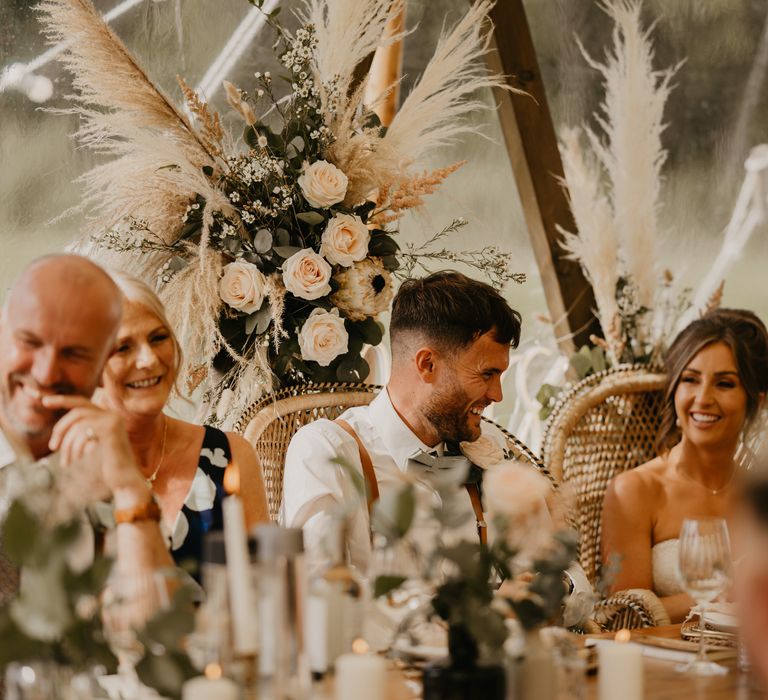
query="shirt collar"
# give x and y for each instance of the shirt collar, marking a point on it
(7, 453)
(399, 440)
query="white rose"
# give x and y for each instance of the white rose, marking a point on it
(323, 184)
(242, 287)
(307, 275)
(512, 489)
(345, 240)
(323, 337)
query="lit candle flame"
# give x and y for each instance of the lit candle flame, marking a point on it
(213, 672)
(360, 646)
(232, 479)
(622, 636)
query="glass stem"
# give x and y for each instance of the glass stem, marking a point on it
(701, 656)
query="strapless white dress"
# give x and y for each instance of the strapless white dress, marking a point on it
(665, 572)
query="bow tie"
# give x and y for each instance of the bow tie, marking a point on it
(432, 461)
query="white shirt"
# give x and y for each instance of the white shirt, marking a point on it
(314, 484)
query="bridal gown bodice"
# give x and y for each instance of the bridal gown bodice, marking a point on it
(665, 572)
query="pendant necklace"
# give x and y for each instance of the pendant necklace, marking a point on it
(714, 492)
(151, 479)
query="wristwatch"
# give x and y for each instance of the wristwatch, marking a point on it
(145, 511)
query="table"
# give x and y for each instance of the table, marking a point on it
(663, 682)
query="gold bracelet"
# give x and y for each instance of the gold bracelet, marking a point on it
(146, 511)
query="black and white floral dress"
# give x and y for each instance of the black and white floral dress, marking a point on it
(201, 512)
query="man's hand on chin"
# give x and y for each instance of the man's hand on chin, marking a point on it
(87, 431)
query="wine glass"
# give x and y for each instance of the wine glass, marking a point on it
(704, 562)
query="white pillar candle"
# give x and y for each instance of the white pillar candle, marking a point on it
(202, 688)
(242, 596)
(360, 674)
(621, 669)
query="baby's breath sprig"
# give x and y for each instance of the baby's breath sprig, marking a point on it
(489, 260)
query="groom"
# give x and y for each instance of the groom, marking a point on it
(450, 339)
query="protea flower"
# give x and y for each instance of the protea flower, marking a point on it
(365, 289)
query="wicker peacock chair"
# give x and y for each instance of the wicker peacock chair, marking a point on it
(270, 423)
(604, 425)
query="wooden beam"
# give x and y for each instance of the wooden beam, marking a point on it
(386, 70)
(533, 152)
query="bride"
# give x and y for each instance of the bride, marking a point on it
(717, 377)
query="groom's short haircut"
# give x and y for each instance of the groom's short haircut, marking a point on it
(452, 310)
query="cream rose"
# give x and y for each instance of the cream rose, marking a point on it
(345, 240)
(307, 275)
(485, 452)
(242, 287)
(323, 337)
(323, 184)
(512, 489)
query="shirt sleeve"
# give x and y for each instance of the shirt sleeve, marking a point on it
(314, 481)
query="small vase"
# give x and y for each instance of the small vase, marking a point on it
(459, 676)
(537, 675)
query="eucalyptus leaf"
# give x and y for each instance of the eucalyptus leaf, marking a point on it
(353, 369)
(382, 246)
(581, 361)
(259, 321)
(371, 330)
(282, 237)
(313, 218)
(262, 241)
(286, 251)
(298, 143)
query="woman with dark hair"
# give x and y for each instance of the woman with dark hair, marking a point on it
(717, 377)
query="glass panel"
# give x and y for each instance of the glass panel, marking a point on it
(717, 111)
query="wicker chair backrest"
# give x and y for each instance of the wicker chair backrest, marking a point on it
(271, 422)
(604, 425)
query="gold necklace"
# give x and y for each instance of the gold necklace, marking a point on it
(714, 492)
(153, 476)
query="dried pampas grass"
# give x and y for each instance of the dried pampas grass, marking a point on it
(632, 154)
(596, 247)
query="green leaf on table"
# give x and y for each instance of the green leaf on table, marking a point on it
(21, 533)
(385, 584)
(393, 512)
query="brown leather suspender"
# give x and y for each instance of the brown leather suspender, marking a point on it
(372, 484)
(474, 495)
(369, 475)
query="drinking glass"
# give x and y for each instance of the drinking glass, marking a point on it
(705, 572)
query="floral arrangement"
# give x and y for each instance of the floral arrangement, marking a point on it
(276, 253)
(467, 573)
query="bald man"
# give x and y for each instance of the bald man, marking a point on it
(57, 329)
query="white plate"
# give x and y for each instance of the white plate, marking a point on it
(419, 651)
(721, 622)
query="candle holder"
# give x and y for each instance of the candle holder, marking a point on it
(460, 676)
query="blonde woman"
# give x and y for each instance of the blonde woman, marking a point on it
(717, 377)
(183, 463)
